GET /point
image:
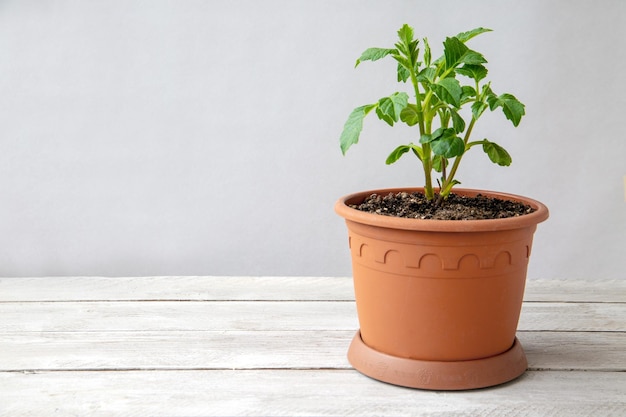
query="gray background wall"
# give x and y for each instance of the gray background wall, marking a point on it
(201, 137)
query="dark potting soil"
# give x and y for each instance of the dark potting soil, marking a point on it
(455, 207)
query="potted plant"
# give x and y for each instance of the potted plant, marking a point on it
(438, 285)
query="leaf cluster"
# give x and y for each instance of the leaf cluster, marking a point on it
(441, 88)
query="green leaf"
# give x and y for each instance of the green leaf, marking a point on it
(453, 50)
(449, 91)
(466, 36)
(448, 188)
(497, 153)
(427, 54)
(403, 73)
(407, 55)
(448, 146)
(476, 72)
(409, 115)
(402, 61)
(479, 108)
(418, 152)
(401, 150)
(473, 58)
(426, 138)
(457, 121)
(439, 162)
(487, 91)
(441, 132)
(512, 108)
(353, 126)
(407, 50)
(397, 153)
(389, 108)
(467, 92)
(427, 75)
(456, 53)
(384, 117)
(374, 54)
(405, 33)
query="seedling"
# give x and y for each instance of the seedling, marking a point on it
(440, 97)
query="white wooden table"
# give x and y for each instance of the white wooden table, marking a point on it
(229, 346)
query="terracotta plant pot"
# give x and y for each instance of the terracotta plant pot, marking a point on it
(439, 301)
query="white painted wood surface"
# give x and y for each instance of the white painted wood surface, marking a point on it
(229, 346)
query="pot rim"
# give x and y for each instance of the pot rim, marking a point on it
(540, 214)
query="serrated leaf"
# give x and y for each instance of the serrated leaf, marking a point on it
(476, 72)
(407, 46)
(478, 108)
(353, 127)
(427, 54)
(467, 92)
(414, 51)
(512, 108)
(402, 61)
(449, 91)
(457, 121)
(487, 91)
(408, 52)
(374, 54)
(473, 58)
(405, 33)
(497, 153)
(453, 50)
(427, 75)
(403, 73)
(409, 115)
(448, 146)
(384, 117)
(466, 36)
(389, 108)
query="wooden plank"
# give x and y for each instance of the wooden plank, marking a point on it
(300, 393)
(175, 350)
(264, 315)
(257, 288)
(595, 351)
(602, 291)
(573, 317)
(175, 288)
(264, 350)
(170, 315)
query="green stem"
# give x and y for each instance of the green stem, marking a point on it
(469, 145)
(457, 160)
(427, 163)
(424, 127)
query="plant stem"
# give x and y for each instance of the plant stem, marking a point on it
(424, 127)
(457, 160)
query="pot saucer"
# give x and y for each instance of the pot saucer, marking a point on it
(437, 375)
